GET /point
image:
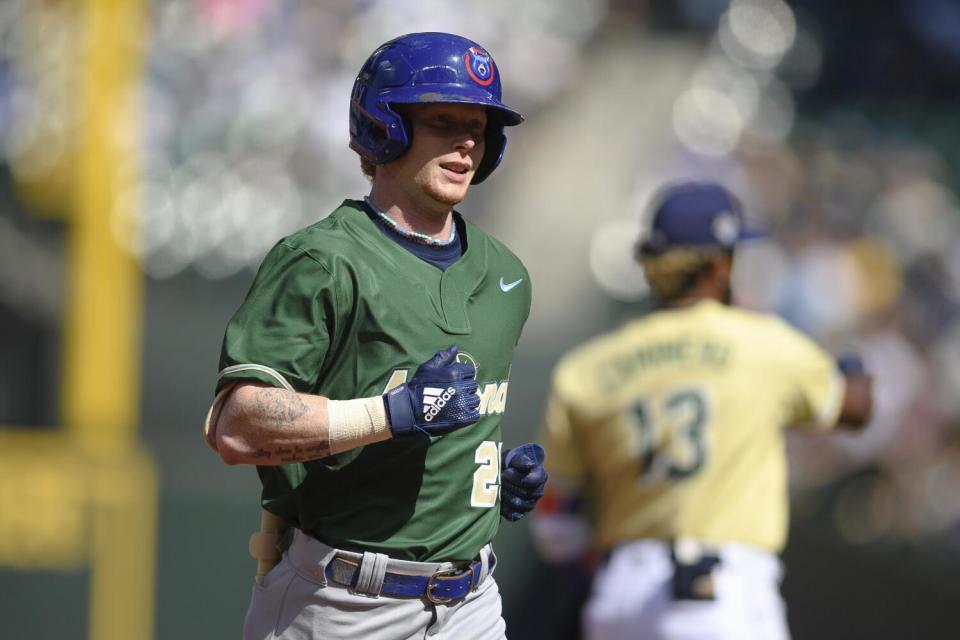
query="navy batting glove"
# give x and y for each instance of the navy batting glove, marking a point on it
(440, 398)
(522, 480)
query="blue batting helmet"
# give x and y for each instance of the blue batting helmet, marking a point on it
(425, 68)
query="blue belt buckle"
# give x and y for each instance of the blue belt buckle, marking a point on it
(431, 585)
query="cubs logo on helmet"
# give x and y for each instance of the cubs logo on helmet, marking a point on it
(479, 66)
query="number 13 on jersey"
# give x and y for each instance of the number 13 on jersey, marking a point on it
(671, 434)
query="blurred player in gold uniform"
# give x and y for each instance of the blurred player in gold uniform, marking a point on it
(673, 426)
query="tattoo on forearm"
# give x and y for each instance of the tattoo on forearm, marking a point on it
(296, 454)
(280, 407)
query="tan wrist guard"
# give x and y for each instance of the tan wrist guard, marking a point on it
(355, 423)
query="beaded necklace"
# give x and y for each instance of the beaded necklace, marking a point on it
(410, 233)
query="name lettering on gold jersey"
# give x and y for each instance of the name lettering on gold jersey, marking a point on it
(682, 351)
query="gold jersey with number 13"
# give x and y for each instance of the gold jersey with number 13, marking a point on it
(674, 422)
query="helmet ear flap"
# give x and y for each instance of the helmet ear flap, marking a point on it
(406, 125)
(378, 132)
(494, 145)
(378, 139)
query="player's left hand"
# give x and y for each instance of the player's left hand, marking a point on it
(522, 480)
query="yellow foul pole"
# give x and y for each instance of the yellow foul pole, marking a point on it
(102, 351)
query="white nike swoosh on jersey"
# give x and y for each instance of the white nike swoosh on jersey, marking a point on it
(506, 287)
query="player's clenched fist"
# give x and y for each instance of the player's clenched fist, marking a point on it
(440, 398)
(521, 481)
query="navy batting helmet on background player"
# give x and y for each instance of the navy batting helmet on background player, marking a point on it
(674, 424)
(366, 373)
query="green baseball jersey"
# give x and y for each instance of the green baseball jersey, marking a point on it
(341, 310)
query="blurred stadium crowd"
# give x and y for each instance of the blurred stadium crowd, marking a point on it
(244, 131)
(836, 125)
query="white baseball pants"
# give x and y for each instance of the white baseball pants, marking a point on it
(632, 598)
(296, 602)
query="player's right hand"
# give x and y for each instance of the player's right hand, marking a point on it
(440, 398)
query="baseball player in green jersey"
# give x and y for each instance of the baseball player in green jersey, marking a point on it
(673, 425)
(366, 373)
